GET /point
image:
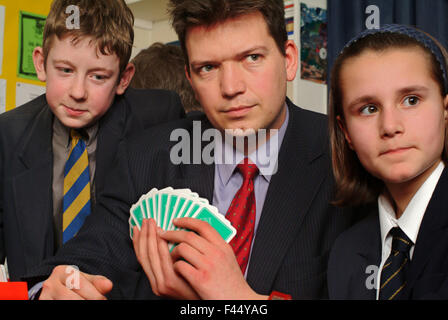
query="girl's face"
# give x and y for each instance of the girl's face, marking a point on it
(394, 114)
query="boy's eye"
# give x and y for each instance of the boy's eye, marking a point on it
(369, 109)
(411, 101)
(99, 77)
(65, 70)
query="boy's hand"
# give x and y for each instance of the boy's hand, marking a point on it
(89, 287)
(207, 262)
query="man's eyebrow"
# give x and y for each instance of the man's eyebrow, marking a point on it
(252, 50)
(249, 51)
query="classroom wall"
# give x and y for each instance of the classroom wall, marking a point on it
(149, 32)
(10, 38)
(306, 94)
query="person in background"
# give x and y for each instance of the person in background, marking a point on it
(162, 66)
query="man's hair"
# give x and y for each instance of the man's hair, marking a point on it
(163, 67)
(192, 13)
(109, 22)
(354, 184)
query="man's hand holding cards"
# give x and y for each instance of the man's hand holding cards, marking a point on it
(168, 204)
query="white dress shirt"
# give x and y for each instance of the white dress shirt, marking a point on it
(410, 220)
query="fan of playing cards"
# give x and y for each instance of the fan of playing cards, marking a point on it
(167, 204)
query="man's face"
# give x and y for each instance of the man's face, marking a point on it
(238, 73)
(81, 83)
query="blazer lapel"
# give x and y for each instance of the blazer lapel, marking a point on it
(287, 202)
(110, 132)
(32, 189)
(432, 229)
(199, 177)
(368, 258)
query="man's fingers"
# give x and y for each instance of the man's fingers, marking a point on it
(204, 229)
(141, 249)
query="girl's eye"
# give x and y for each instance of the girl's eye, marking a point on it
(206, 68)
(411, 101)
(369, 109)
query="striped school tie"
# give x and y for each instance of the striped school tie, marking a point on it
(393, 274)
(76, 201)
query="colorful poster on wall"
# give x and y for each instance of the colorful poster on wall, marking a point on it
(289, 17)
(31, 28)
(313, 44)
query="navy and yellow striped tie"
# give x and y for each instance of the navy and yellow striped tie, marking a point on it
(76, 201)
(393, 274)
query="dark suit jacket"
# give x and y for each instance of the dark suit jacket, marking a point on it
(26, 167)
(296, 229)
(360, 247)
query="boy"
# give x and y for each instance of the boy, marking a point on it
(87, 109)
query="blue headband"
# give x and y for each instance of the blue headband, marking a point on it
(411, 32)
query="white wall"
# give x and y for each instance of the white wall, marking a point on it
(304, 93)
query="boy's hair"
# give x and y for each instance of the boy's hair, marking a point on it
(191, 13)
(162, 66)
(354, 185)
(109, 22)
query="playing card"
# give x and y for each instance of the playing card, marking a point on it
(217, 221)
(167, 204)
(137, 213)
(144, 203)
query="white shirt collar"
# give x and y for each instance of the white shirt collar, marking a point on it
(265, 157)
(412, 216)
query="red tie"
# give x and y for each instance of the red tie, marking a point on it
(241, 214)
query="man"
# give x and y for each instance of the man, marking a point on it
(238, 62)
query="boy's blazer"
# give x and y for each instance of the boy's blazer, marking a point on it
(295, 232)
(360, 247)
(26, 167)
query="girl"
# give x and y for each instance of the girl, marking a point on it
(388, 115)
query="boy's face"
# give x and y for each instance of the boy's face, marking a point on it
(81, 83)
(394, 115)
(238, 73)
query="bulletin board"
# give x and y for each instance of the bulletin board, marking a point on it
(23, 20)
